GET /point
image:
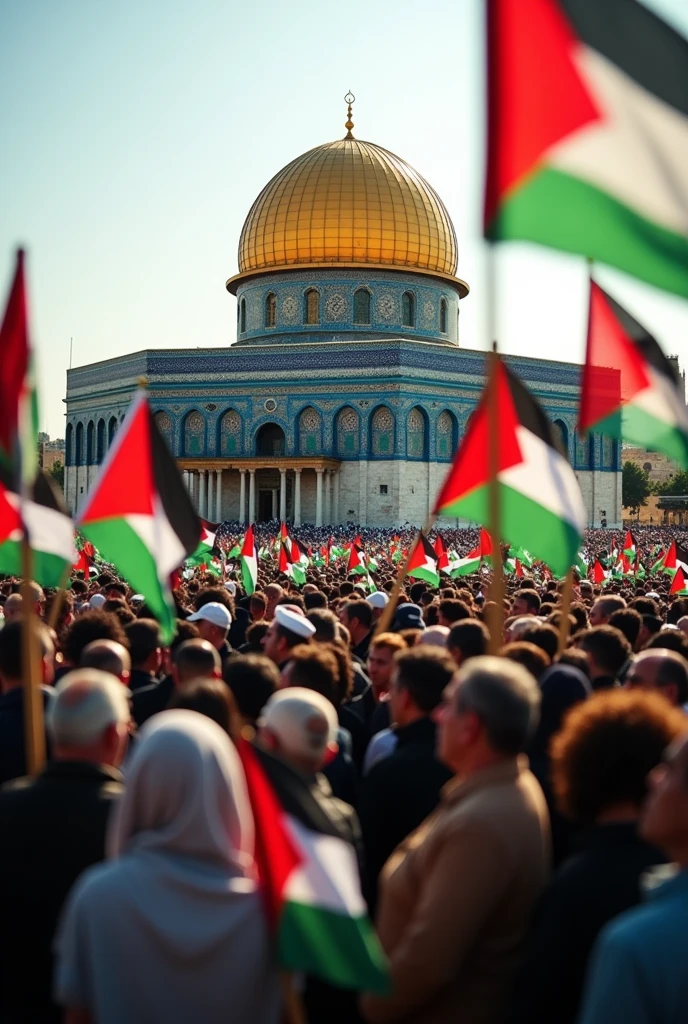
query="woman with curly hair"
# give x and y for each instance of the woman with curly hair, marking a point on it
(600, 762)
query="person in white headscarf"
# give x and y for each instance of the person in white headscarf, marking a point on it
(172, 928)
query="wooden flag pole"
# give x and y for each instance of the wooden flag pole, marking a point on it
(387, 617)
(58, 600)
(564, 624)
(495, 612)
(34, 728)
(294, 1011)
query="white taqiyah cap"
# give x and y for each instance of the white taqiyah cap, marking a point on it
(231, 587)
(213, 612)
(97, 601)
(294, 621)
(653, 593)
(379, 599)
(137, 598)
(304, 721)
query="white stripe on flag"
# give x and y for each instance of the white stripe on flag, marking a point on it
(328, 877)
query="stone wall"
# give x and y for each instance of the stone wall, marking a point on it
(660, 467)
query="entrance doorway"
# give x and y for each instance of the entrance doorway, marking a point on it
(264, 506)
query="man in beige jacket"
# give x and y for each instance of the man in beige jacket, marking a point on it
(457, 895)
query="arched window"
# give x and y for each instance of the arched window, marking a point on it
(443, 316)
(362, 306)
(347, 432)
(242, 317)
(270, 440)
(312, 306)
(270, 309)
(415, 434)
(112, 429)
(164, 424)
(230, 433)
(100, 441)
(194, 433)
(69, 444)
(447, 435)
(382, 433)
(408, 310)
(608, 452)
(79, 453)
(90, 437)
(562, 434)
(310, 432)
(583, 450)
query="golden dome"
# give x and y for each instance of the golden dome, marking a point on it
(348, 203)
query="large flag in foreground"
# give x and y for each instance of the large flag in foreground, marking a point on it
(588, 133)
(309, 878)
(139, 514)
(49, 527)
(18, 406)
(541, 507)
(249, 562)
(630, 390)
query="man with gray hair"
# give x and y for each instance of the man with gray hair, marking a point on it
(456, 898)
(108, 656)
(53, 828)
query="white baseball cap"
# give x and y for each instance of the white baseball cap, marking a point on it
(304, 721)
(379, 599)
(213, 612)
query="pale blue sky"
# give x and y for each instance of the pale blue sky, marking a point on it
(136, 135)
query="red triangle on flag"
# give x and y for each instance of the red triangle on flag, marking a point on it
(670, 557)
(283, 564)
(354, 559)
(598, 575)
(485, 543)
(248, 548)
(14, 351)
(679, 582)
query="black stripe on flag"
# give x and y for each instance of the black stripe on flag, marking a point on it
(531, 415)
(643, 340)
(640, 43)
(44, 492)
(173, 495)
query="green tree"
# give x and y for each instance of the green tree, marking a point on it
(57, 473)
(676, 484)
(635, 486)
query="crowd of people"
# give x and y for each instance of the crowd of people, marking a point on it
(517, 805)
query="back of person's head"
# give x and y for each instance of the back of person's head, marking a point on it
(468, 639)
(423, 672)
(313, 667)
(90, 710)
(362, 611)
(628, 621)
(652, 624)
(644, 605)
(252, 678)
(314, 599)
(257, 604)
(608, 648)
(669, 640)
(209, 697)
(186, 790)
(433, 636)
(606, 748)
(344, 683)
(299, 725)
(505, 698)
(677, 609)
(196, 659)
(530, 598)
(389, 641)
(529, 655)
(144, 641)
(576, 659)
(107, 656)
(544, 636)
(612, 603)
(580, 614)
(11, 649)
(214, 595)
(92, 625)
(326, 625)
(254, 636)
(453, 610)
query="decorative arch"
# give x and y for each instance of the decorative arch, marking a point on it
(229, 433)
(382, 426)
(347, 431)
(100, 441)
(583, 450)
(416, 434)
(270, 440)
(69, 444)
(561, 432)
(608, 452)
(362, 301)
(270, 309)
(242, 316)
(408, 309)
(447, 435)
(163, 422)
(310, 431)
(90, 446)
(112, 429)
(443, 316)
(193, 433)
(79, 446)
(311, 306)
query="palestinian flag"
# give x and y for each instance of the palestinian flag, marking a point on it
(49, 528)
(658, 565)
(289, 568)
(139, 514)
(467, 565)
(676, 557)
(204, 552)
(18, 404)
(587, 139)
(598, 573)
(423, 562)
(630, 547)
(356, 563)
(678, 584)
(541, 507)
(629, 389)
(249, 562)
(309, 879)
(442, 556)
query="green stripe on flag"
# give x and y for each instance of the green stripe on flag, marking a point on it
(47, 568)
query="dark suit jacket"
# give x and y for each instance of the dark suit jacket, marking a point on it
(12, 740)
(52, 828)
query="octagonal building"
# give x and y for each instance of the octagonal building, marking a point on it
(346, 392)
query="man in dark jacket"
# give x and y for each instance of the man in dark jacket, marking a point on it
(12, 730)
(402, 789)
(53, 827)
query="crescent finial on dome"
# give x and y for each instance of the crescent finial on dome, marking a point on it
(349, 99)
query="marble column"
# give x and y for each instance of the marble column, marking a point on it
(319, 497)
(185, 478)
(192, 486)
(218, 495)
(202, 492)
(297, 497)
(328, 501)
(251, 495)
(283, 496)
(274, 503)
(209, 503)
(242, 496)
(336, 517)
